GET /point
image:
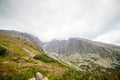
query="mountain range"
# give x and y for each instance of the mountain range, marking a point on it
(79, 45)
(24, 55)
(82, 52)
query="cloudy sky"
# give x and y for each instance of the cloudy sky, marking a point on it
(97, 20)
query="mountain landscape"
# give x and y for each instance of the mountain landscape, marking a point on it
(59, 40)
(83, 52)
(25, 57)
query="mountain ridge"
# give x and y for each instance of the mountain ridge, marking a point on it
(82, 52)
(21, 57)
(81, 43)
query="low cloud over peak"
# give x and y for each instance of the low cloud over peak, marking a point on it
(61, 19)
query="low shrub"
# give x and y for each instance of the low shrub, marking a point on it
(3, 51)
(44, 58)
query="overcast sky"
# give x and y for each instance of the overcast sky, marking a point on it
(62, 19)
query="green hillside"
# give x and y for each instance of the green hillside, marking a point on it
(17, 62)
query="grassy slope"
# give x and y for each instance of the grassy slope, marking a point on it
(17, 64)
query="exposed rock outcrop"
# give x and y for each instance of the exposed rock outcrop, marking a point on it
(45, 78)
(32, 78)
(79, 45)
(39, 76)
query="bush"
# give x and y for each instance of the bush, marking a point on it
(3, 51)
(47, 59)
(44, 58)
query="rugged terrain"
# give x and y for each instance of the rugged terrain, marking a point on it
(22, 56)
(83, 52)
(79, 45)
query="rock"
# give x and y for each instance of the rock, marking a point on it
(29, 52)
(33, 78)
(5, 62)
(39, 76)
(45, 78)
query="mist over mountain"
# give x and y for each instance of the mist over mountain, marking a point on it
(62, 19)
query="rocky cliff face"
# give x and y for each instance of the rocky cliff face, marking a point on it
(83, 52)
(78, 45)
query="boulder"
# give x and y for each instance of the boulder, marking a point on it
(39, 76)
(45, 78)
(33, 78)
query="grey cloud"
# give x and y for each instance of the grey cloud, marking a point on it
(61, 19)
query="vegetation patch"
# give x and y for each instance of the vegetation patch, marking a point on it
(95, 75)
(95, 59)
(24, 75)
(3, 51)
(44, 58)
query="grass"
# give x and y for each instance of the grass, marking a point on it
(45, 58)
(16, 57)
(25, 75)
(13, 47)
(75, 63)
(95, 75)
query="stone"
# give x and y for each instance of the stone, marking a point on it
(33, 78)
(45, 78)
(5, 62)
(39, 76)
